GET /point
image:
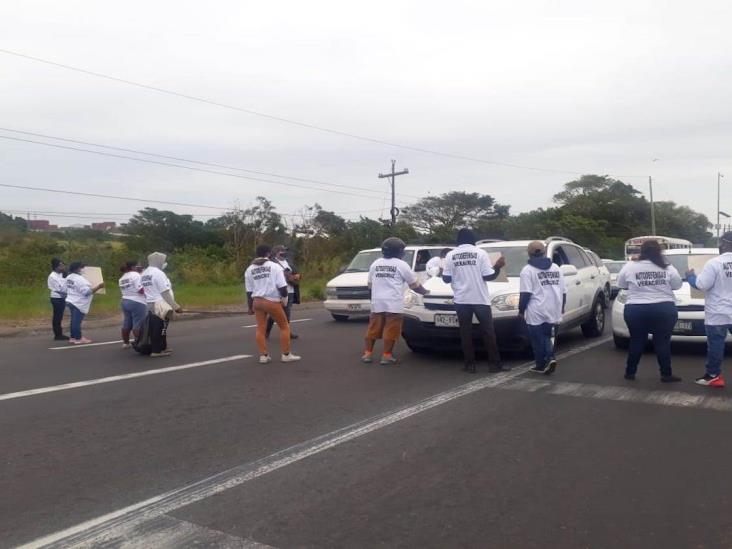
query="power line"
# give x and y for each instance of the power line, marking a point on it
(291, 121)
(191, 168)
(202, 163)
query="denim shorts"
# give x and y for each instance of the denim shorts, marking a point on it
(135, 312)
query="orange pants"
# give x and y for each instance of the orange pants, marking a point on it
(264, 308)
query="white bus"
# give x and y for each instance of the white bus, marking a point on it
(633, 245)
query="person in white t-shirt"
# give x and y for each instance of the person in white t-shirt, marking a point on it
(57, 288)
(541, 305)
(79, 294)
(436, 265)
(266, 288)
(134, 305)
(650, 307)
(715, 281)
(160, 303)
(279, 256)
(467, 269)
(388, 278)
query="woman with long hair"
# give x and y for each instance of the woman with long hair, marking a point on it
(650, 309)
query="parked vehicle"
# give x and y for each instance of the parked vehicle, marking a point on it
(604, 273)
(348, 295)
(431, 322)
(689, 303)
(614, 267)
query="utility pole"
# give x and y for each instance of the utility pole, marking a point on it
(719, 206)
(394, 210)
(653, 208)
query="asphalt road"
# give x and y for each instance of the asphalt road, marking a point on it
(330, 452)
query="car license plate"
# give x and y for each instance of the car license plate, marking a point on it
(447, 321)
(683, 326)
(354, 306)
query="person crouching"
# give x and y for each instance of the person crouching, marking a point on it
(541, 305)
(266, 289)
(386, 279)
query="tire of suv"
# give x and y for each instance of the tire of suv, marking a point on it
(339, 318)
(595, 325)
(621, 342)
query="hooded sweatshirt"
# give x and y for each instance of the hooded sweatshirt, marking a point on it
(265, 279)
(156, 283)
(543, 292)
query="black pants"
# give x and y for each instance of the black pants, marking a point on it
(485, 319)
(288, 313)
(59, 305)
(158, 334)
(658, 319)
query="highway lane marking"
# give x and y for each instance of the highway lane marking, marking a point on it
(620, 394)
(122, 377)
(112, 527)
(291, 322)
(72, 346)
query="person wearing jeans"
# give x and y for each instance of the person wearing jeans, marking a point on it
(650, 307)
(541, 305)
(57, 287)
(467, 269)
(715, 281)
(79, 294)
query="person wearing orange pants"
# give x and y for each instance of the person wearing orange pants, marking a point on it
(266, 289)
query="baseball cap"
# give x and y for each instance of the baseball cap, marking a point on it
(536, 247)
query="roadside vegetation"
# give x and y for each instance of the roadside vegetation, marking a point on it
(207, 259)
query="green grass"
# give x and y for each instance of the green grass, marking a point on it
(19, 304)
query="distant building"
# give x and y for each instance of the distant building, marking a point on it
(40, 225)
(104, 226)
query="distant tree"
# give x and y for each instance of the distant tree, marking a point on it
(152, 229)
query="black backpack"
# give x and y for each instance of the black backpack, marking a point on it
(142, 344)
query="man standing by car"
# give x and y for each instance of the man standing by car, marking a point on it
(467, 269)
(436, 265)
(715, 281)
(279, 256)
(541, 305)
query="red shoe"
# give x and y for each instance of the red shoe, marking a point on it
(711, 381)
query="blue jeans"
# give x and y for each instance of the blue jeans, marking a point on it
(658, 319)
(134, 313)
(716, 337)
(542, 343)
(76, 319)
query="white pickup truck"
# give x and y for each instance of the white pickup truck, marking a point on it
(430, 321)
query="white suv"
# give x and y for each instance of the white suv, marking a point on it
(348, 295)
(431, 322)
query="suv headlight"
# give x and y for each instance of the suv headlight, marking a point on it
(412, 299)
(622, 297)
(330, 293)
(506, 302)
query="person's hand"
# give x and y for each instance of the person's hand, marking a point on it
(521, 317)
(179, 310)
(690, 272)
(297, 276)
(500, 262)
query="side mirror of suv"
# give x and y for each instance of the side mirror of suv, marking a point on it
(568, 270)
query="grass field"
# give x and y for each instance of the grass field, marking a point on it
(19, 304)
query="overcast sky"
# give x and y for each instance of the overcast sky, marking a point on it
(571, 86)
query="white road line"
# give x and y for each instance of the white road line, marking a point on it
(291, 322)
(111, 526)
(621, 394)
(99, 381)
(72, 346)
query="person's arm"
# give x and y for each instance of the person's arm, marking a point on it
(98, 287)
(525, 291)
(674, 278)
(170, 300)
(563, 288)
(622, 281)
(281, 283)
(494, 270)
(411, 279)
(447, 269)
(704, 281)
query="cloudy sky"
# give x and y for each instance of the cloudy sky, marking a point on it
(567, 87)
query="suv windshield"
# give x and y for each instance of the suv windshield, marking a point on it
(363, 260)
(614, 266)
(516, 258)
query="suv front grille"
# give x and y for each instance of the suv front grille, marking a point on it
(690, 308)
(358, 292)
(439, 306)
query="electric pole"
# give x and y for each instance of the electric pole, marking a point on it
(719, 206)
(653, 208)
(394, 210)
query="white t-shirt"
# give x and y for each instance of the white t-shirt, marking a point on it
(467, 265)
(57, 284)
(434, 265)
(547, 290)
(265, 280)
(715, 281)
(154, 282)
(646, 282)
(387, 278)
(286, 266)
(79, 292)
(130, 285)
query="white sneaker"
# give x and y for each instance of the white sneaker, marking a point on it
(126, 345)
(290, 358)
(265, 359)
